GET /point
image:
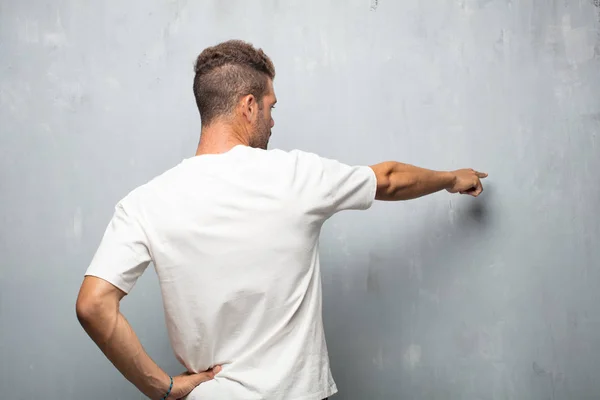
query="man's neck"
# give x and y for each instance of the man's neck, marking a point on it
(219, 138)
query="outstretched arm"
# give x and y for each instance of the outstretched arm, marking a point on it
(98, 311)
(398, 181)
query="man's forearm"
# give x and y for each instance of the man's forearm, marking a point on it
(114, 336)
(398, 181)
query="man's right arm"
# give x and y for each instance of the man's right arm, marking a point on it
(398, 181)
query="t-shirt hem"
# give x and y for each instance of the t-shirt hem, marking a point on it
(330, 391)
(372, 190)
(115, 281)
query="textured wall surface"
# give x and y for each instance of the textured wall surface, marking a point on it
(443, 297)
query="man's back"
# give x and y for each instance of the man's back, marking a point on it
(233, 233)
(234, 239)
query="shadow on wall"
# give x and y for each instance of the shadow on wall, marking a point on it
(441, 244)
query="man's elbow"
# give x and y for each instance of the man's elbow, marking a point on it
(385, 191)
(383, 172)
(97, 301)
(88, 309)
(97, 317)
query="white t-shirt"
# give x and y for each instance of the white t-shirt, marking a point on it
(234, 239)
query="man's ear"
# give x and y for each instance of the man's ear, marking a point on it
(249, 107)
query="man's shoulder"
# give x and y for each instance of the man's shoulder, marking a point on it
(292, 154)
(308, 160)
(145, 191)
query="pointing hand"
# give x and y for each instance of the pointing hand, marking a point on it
(467, 181)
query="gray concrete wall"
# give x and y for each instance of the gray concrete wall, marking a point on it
(440, 298)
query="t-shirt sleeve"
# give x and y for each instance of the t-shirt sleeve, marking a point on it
(331, 186)
(123, 254)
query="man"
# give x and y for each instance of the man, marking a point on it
(233, 234)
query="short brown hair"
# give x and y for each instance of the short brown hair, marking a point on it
(225, 73)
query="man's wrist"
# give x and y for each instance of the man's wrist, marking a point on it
(449, 180)
(167, 388)
(160, 386)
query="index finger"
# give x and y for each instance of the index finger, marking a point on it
(481, 174)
